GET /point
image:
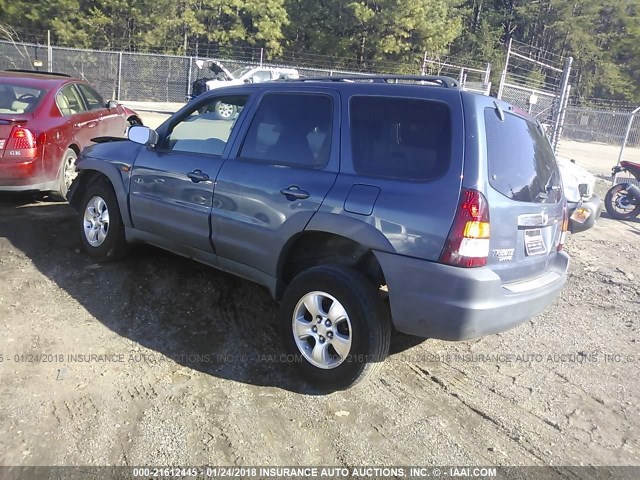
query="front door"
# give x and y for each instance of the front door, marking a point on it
(277, 177)
(172, 183)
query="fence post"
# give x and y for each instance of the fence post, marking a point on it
(261, 55)
(189, 78)
(624, 140)
(119, 79)
(562, 101)
(49, 53)
(503, 77)
(487, 73)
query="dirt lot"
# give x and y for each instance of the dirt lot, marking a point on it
(159, 360)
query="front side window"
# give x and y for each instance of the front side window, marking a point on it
(69, 101)
(291, 129)
(400, 138)
(207, 128)
(93, 98)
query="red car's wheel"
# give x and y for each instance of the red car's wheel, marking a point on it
(66, 174)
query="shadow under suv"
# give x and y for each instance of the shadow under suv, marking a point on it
(362, 203)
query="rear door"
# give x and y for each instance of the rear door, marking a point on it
(83, 124)
(277, 176)
(525, 196)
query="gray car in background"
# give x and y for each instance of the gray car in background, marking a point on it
(364, 204)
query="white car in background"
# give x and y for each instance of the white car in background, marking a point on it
(217, 75)
(579, 189)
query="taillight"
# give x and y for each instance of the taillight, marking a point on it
(21, 138)
(565, 227)
(468, 241)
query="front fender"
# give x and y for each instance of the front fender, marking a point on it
(118, 175)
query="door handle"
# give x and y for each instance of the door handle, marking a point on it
(198, 176)
(293, 192)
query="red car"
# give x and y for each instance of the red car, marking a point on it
(45, 122)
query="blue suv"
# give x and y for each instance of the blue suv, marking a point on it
(364, 204)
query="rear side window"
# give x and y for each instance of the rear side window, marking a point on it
(401, 138)
(522, 165)
(69, 101)
(291, 129)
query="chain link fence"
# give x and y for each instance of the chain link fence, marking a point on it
(128, 76)
(600, 124)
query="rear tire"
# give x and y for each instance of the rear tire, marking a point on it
(66, 174)
(612, 202)
(100, 223)
(336, 325)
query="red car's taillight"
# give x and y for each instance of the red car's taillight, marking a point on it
(468, 241)
(22, 138)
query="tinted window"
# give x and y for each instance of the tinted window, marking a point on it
(19, 99)
(94, 100)
(69, 101)
(291, 129)
(207, 128)
(401, 138)
(522, 165)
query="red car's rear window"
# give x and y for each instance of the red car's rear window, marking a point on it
(18, 98)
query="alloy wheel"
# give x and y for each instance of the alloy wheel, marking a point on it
(322, 330)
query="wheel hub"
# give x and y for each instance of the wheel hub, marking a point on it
(96, 221)
(322, 330)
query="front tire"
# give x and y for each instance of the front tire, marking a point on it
(101, 227)
(335, 324)
(616, 203)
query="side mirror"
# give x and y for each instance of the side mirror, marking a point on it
(248, 80)
(111, 104)
(143, 135)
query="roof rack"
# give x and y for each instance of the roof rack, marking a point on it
(38, 72)
(440, 81)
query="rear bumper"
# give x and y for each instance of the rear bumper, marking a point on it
(23, 176)
(438, 301)
(594, 205)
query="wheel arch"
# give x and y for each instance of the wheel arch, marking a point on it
(75, 148)
(312, 248)
(134, 118)
(92, 170)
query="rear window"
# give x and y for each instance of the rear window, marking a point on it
(19, 99)
(522, 165)
(401, 138)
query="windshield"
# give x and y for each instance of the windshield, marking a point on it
(18, 98)
(241, 71)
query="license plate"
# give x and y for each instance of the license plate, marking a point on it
(534, 243)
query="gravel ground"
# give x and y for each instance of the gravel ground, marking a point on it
(160, 360)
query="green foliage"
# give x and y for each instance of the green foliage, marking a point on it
(381, 35)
